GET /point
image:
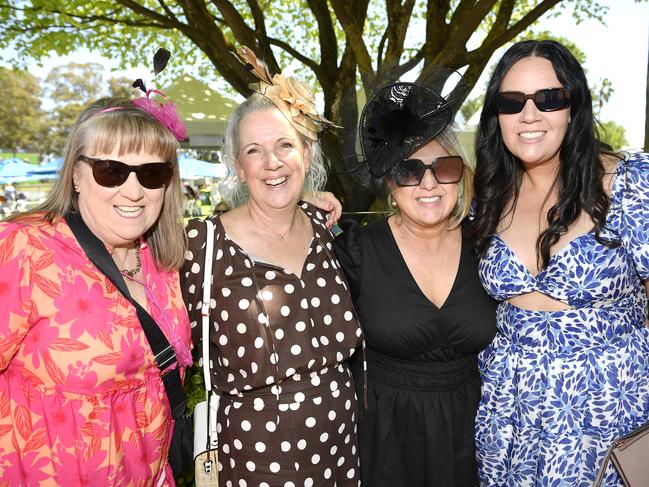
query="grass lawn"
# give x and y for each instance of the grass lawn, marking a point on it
(25, 156)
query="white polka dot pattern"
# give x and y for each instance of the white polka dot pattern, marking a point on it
(275, 327)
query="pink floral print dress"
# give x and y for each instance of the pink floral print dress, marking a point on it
(81, 399)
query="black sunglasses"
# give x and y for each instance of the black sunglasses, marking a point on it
(110, 174)
(547, 100)
(445, 169)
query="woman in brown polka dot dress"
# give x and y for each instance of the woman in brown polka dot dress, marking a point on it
(283, 326)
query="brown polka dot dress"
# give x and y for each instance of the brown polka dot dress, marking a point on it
(279, 346)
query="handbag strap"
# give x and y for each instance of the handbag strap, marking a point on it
(619, 443)
(205, 327)
(164, 353)
(602, 468)
(205, 308)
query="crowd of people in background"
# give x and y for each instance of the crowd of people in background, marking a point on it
(491, 330)
(11, 200)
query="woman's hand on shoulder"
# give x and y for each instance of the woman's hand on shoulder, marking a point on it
(326, 201)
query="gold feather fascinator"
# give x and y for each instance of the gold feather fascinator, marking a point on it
(290, 96)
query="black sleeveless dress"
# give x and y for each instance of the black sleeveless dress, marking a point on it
(423, 385)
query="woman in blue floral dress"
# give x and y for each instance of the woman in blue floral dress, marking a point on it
(562, 229)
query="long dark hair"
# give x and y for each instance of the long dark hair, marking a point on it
(499, 172)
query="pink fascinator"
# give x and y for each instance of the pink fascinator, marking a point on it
(165, 113)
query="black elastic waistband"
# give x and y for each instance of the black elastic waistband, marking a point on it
(432, 376)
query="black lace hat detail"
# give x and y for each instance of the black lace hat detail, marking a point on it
(398, 119)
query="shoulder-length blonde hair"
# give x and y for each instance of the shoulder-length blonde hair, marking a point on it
(112, 123)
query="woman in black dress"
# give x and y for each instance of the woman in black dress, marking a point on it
(415, 286)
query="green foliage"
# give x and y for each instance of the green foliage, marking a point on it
(613, 134)
(21, 118)
(470, 107)
(544, 34)
(194, 387)
(601, 95)
(75, 83)
(337, 43)
(122, 87)
(71, 88)
(32, 157)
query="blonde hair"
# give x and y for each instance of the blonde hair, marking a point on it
(111, 123)
(451, 144)
(316, 176)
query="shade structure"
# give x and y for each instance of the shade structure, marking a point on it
(195, 169)
(203, 110)
(15, 170)
(48, 170)
(51, 167)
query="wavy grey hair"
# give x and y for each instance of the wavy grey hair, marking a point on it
(316, 176)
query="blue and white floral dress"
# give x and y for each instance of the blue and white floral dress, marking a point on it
(559, 386)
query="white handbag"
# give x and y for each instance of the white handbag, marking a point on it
(205, 438)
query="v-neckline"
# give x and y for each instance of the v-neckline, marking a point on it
(404, 264)
(248, 256)
(558, 253)
(612, 202)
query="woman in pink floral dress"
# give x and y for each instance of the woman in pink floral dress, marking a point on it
(81, 398)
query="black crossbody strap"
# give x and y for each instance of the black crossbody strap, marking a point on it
(164, 353)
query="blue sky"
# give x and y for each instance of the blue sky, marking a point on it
(617, 51)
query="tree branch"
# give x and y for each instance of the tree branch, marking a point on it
(326, 34)
(151, 14)
(86, 19)
(317, 69)
(233, 19)
(436, 27)
(354, 34)
(379, 53)
(258, 17)
(398, 20)
(499, 38)
(164, 7)
(410, 64)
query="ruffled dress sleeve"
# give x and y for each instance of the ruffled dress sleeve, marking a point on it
(631, 190)
(349, 251)
(15, 289)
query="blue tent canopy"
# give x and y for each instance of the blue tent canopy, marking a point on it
(15, 170)
(49, 170)
(53, 166)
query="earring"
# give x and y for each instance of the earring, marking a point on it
(76, 188)
(391, 201)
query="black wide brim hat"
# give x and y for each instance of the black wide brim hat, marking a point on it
(398, 119)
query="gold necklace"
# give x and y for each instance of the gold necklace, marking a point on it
(279, 236)
(138, 262)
